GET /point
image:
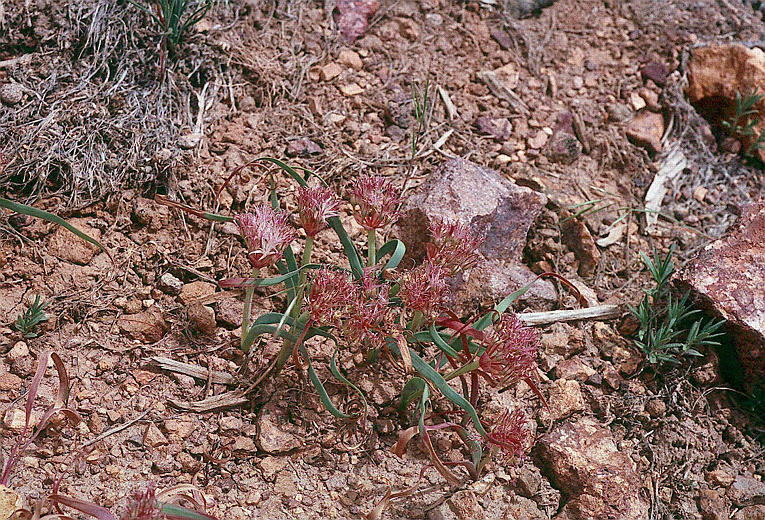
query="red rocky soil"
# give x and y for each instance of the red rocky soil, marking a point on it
(581, 101)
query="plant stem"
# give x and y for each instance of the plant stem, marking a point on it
(417, 321)
(371, 239)
(303, 276)
(249, 293)
(464, 369)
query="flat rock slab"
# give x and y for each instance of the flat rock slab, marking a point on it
(727, 277)
(596, 479)
(718, 72)
(489, 203)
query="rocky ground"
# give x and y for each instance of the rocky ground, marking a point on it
(554, 129)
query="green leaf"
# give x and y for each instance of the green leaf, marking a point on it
(340, 377)
(325, 400)
(435, 336)
(396, 248)
(429, 373)
(176, 512)
(49, 217)
(501, 307)
(354, 259)
(412, 390)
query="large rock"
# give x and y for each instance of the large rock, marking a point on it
(718, 72)
(727, 278)
(597, 479)
(10, 502)
(491, 204)
(148, 326)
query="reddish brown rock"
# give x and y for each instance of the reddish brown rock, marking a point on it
(646, 130)
(579, 239)
(597, 479)
(751, 513)
(564, 147)
(727, 278)
(491, 204)
(712, 505)
(352, 17)
(718, 72)
(69, 247)
(148, 326)
(275, 433)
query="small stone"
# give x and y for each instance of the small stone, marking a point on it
(712, 505)
(637, 102)
(579, 239)
(9, 382)
(656, 72)
(351, 89)
(573, 369)
(170, 284)
(70, 248)
(148, 326)
(18, 352)
(746, 491)
(14, 419)
(656, 408)
(539, 140)
(303, 147)
(244, 444)
(194, 291)
(565, 399)
(230, 423)
(618, 112)
(350, 59)
(270, 466)
(700, 193)
(11, 93)
(529, 480)
(646, 130)
(203, 318)
(330, 71)
(499, 128)
(751, 513)
(10, 502)
(153, 436)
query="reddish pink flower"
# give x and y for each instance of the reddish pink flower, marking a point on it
(369, 314)
(454, 246)
(315, 206)
(142, 505)
(511, 352)
(331, 293)
(424, 288)
(510, 433)
(377, 200)
(266, 233)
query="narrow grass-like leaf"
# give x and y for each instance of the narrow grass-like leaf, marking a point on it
(429, 373)
(49, 217)
(344, 380)
(176, 512)
(317, 384)
(435, 336)
(412, 390)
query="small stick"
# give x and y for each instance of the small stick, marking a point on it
(197, 372)
(601, 312)
(116, 429)
(13, 61)
(451, 110)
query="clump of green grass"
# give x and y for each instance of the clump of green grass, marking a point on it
(31, 317)
(742, 123)
(669, 327)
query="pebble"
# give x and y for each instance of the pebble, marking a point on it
(350, 59)
(18, 352)
(330, 71)
(14, 419)
(351, 89)
(170, 284)
(11, 93)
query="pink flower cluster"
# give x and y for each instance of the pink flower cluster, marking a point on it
(315, 206)
(266, 233)
(453, 246)
(511, 352)
(331, 292)
(510, 434)
(375, 201)
(424, 288)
